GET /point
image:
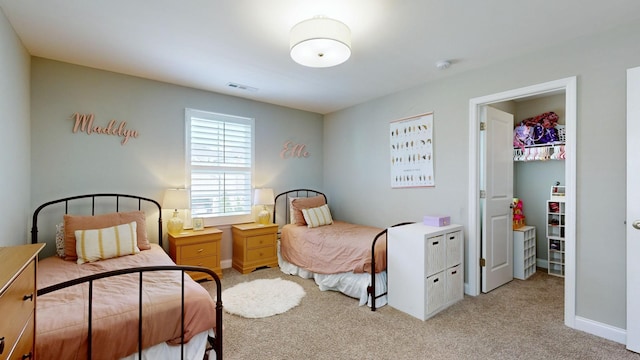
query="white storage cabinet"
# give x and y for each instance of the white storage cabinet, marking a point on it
(555, 237)
(425, 271)
(524, 252)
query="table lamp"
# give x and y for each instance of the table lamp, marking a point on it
(263, 197)
(176, 199)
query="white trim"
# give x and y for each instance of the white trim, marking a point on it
(569, 86)
(226, 264)
(599, 329)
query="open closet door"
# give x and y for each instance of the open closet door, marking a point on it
(497, 213)
(633, 209)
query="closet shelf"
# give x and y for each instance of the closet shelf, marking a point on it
(541, 152)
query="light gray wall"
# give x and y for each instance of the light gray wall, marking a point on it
(15, 151)
(66, 163)
(356, 139)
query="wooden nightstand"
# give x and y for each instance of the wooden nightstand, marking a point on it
(197, 248)
(254, 246)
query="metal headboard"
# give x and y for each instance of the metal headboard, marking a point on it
(282, 203)
(116, 206)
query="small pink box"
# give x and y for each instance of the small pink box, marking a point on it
(436, 220)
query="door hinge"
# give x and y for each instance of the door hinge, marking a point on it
(483, 262)
(483, 194)
(483, 126)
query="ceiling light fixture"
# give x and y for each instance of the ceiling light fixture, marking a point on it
(320, 42)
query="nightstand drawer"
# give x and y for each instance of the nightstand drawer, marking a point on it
(15, 309)
(260, 253)
(198, 250)
(24, 347)
(260, 241)
(208, 261)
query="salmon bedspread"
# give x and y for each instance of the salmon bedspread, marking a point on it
(331, 249)
(62, 323)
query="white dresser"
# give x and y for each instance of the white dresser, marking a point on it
(425, 271)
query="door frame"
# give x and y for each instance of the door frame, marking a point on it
(569, 87)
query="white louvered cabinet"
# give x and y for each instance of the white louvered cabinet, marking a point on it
(425, 270)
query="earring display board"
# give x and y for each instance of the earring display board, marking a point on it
(411, 145)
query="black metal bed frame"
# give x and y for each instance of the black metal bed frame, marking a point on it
(371, 289)
(215, 343)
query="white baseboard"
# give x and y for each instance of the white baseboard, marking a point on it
(542, 263)
(603, 330)
(225, 264)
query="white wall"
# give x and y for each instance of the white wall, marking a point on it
(15, 150)
(356, 173)
(66, 163)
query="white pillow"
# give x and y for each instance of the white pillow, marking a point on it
(317, 216)
(100, 244)
(60, 239)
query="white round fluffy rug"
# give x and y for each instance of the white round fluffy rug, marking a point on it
(262, 298)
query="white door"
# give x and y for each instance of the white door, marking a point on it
(633, 209)
(497, 183)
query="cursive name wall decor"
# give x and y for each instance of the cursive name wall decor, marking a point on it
(84, 123)
(291, 150)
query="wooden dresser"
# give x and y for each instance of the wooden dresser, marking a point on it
(197, 248)
(18, 266)
(254, 246)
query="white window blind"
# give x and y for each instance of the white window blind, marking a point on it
(220, 163)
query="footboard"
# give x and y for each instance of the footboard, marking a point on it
(371, 289)
(215, 343)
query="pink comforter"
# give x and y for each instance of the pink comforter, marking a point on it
(330, 249)
(61, 322)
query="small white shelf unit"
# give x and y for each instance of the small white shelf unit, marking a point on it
(556, 236)
(524, 252)
(425, 271)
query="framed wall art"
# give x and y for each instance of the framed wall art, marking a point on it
(411, 147)
(198, 224)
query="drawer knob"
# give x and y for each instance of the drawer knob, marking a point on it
(27, 356)
(1, 345)
(200, 250)
(28, 297)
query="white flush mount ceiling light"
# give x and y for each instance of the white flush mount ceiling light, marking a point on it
(320, 42)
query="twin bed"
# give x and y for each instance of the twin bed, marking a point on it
(339, 256)
(115, 293)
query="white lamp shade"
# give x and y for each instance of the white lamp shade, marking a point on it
(263, 197)
(320, 42)
(176, 199)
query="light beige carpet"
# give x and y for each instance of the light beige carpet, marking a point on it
(521, 320)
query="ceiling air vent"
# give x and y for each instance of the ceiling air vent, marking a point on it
(241, 87)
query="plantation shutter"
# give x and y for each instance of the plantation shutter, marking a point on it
(220, 157)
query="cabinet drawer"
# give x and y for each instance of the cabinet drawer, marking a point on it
(454, 284)
(257, 241)
(435, 292)
(198, 250)
(15, 311)
(24, 348)
(435, 255)
(261, 253)
(454, 248)
(206, 261)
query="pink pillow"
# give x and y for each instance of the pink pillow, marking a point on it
(305, 203)
(73, 223)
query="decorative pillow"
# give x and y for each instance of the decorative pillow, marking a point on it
(292, 217)
(305, 203)
(317, 216)
(100, 244)
(73, 223)
(60, 239)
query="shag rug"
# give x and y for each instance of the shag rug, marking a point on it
(262, 298)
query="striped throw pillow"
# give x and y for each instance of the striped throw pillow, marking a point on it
(100, 244)
(318, 216)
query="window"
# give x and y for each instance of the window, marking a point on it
(219, 163)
